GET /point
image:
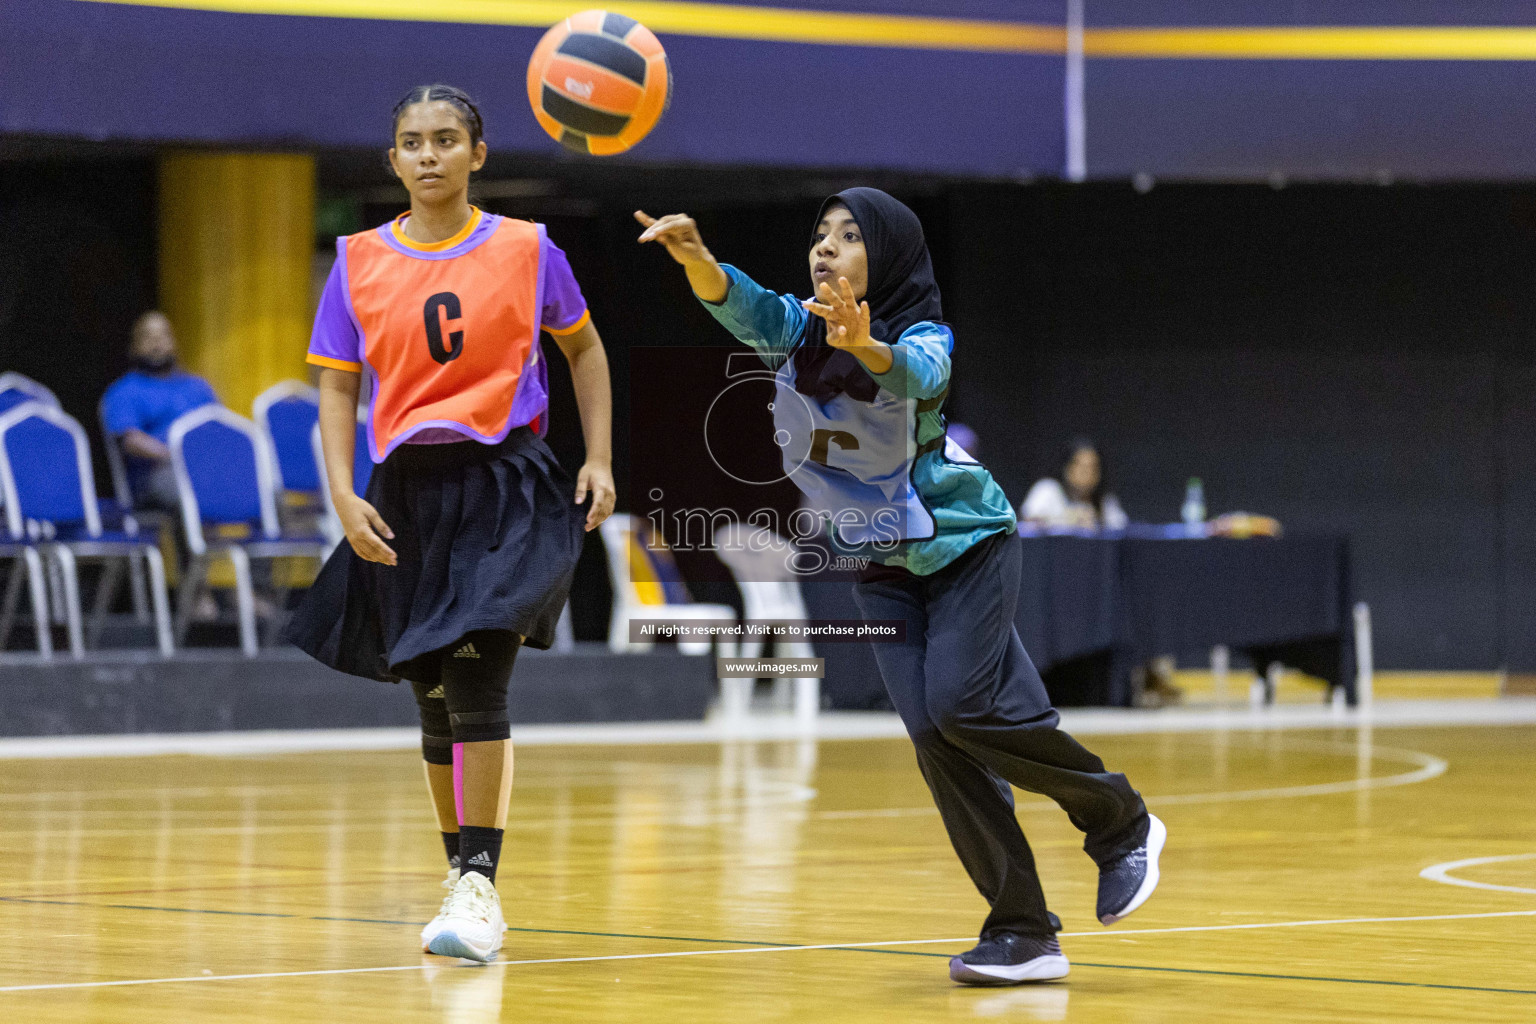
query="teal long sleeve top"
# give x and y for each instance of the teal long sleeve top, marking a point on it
(966, 503)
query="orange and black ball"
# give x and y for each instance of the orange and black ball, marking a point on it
(599, 82)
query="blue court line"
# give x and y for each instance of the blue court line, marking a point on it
(795, 945)
(135, 906)
(605, 935)
(408, 924)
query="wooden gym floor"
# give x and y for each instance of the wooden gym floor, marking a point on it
(790, 881)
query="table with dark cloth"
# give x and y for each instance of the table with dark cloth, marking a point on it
(1093, 606)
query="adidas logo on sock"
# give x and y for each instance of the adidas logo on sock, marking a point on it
(467, 651)
(436, 691)
(481, 859)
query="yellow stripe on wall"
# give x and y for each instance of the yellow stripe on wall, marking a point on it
(1380, 43)
(845, 28)
(725, 21)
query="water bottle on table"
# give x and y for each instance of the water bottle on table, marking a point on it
(1193, 512)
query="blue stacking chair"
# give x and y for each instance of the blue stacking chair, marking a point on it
(30, 558)
(362, 472)
(117, 468)
(16, 546)
(224, 475)
(287, 412)
(16, 388)
(50, 499)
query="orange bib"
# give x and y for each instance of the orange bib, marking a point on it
(448, 340)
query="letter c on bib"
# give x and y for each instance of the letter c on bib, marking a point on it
(821, 438)
(449, 304)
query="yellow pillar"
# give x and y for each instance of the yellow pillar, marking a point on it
(237, 239)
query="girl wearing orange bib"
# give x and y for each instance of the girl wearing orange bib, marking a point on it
(464, 547)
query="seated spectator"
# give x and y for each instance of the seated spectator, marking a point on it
(1077, 496)
(140, 406)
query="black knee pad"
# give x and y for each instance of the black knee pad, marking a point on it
(436, 728)
(477, 707)
(476, 673)
(481, 726)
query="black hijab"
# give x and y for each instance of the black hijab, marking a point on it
(901, 292)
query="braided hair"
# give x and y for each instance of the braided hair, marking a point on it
(454, 97)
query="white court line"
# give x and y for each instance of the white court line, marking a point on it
(788, 793)
(754, 949)
(497, 963)
(1299, 924)
(836, 725)
(1430, 767)
(1442, 872)
(795, 795)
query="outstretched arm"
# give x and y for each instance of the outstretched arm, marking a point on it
(679, 235)
(770, 323)
(583, 349)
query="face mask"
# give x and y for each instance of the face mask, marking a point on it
(159, 365)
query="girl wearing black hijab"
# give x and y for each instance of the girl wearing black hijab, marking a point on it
(862, 372)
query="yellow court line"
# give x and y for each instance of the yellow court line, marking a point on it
(726, 21)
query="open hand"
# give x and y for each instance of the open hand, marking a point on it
(366, 530)
(847, 318)
(596, 478)
(678, 233)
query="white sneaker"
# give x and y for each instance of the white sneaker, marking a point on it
(472, 924)
(436, 924)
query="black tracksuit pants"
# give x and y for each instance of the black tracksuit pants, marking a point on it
(980, 719)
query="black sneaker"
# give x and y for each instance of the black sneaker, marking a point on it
(1126, 884)
(1007, 959)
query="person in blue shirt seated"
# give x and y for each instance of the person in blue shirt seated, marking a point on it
(861, 374)
(140, 406)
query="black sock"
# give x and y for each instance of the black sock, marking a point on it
(479, 850)
(451, 847)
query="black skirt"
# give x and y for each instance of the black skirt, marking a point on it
(486, 537)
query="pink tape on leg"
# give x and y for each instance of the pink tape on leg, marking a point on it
(458, 781)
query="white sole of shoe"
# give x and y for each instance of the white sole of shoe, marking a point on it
(1157, 836)
(449, 943)
(1041, 968)
(429, 932)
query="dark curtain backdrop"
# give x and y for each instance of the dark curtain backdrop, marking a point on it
(1350, 358)
(1344, 358)
(77, 265)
